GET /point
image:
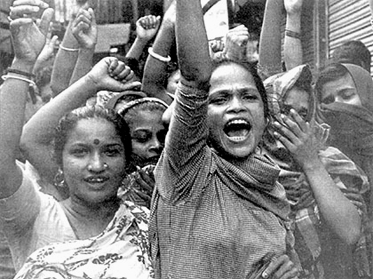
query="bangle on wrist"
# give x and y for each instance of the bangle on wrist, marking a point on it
(158, 57)
(29, 81)
(31, 84)
(69, 49)
(292, 34)
(19, 72)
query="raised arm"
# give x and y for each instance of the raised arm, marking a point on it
(84, 29)
(293, 53)
(146, 29)
(187, 129)
(28, 41)
(155, 71)
(192, 44)
(47, 54)
(108, 74)
(270, 39)
(65, 60)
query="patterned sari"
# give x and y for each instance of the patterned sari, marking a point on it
(121, 251)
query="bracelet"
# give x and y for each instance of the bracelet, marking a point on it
(31, 85)
(69, 49)
(29, 81)
(292, 34)
(159, 57)
(19, 72)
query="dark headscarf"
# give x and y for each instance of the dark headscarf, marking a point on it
(363, 83)
(352, 126)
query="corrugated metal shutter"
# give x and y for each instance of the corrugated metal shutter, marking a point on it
(348, 20)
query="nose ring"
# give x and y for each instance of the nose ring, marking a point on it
(105, 166)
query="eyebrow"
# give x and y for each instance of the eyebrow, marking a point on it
(81, 144)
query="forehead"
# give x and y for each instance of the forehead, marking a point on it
(89, 130)
(231, 76)
(146, 117)
(344, 82)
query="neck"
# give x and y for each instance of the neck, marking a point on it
(89, 220)
(87, 210)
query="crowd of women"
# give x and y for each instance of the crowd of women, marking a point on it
(217, 168)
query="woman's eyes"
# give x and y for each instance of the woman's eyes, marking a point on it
(111, 152)
(218, 100)
(142, 138)
(250, 97)
(79, 152)
(347, 95)
(303, 115)
(328, 100)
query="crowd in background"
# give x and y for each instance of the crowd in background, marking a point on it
(183, 157)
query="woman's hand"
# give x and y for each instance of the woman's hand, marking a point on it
(147, 27)
(29, 35)
(84, 28)
(145, 181)
(280, 268)
(293, 6)
(216, 45)
(47, 54)
(235, 43)
(111, 74)
(298, 137)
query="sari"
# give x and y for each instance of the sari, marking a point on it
(313, 238)
(121, 251)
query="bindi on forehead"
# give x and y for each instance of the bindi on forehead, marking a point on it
(96, 141)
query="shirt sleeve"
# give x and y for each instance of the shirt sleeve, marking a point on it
(186, 157)
(19, 211)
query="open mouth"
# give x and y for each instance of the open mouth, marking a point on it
(237, 130)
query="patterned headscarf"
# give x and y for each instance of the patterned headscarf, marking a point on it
(278, 86)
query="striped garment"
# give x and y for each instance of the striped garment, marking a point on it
(314, 242)
(213, 218)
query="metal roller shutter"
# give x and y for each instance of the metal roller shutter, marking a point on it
(348, 20)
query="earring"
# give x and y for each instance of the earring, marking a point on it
(59, 179)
